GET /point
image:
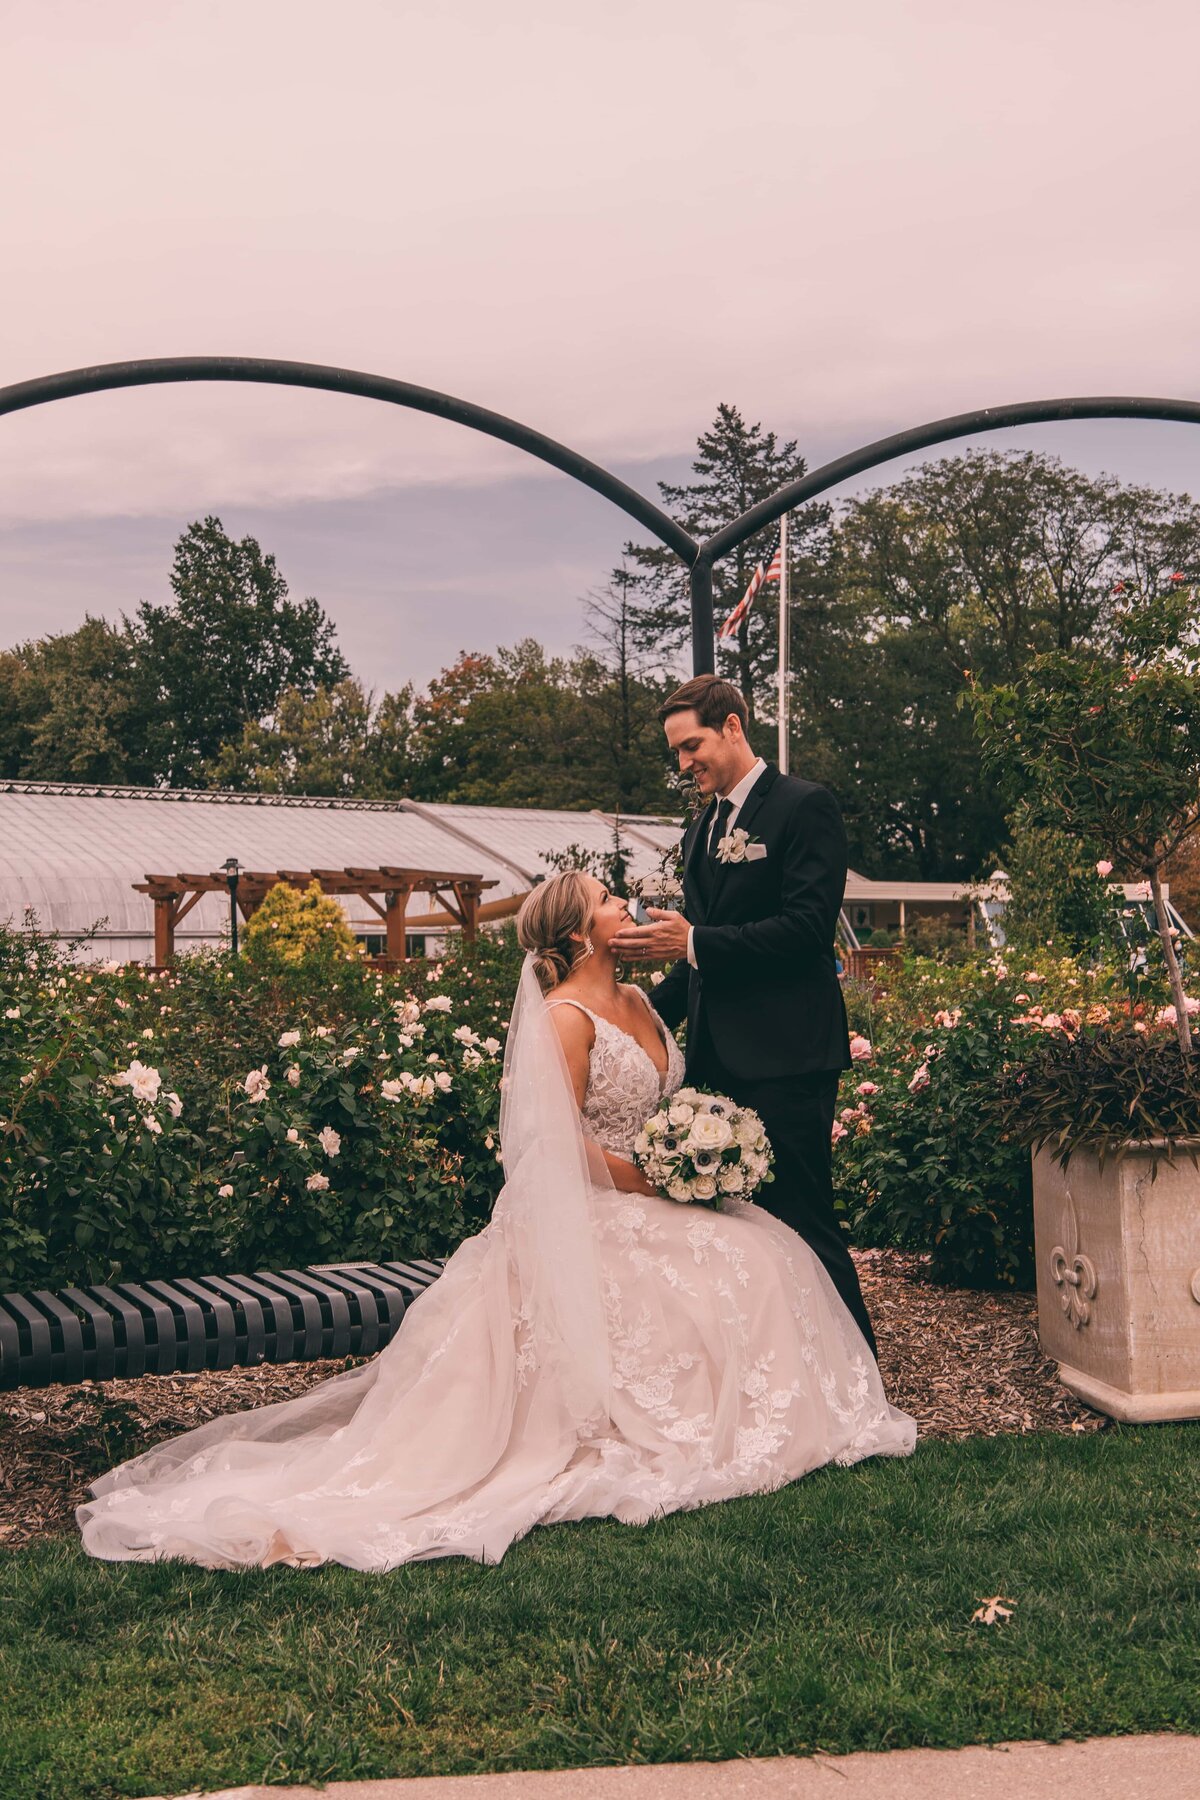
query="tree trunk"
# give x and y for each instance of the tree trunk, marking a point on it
(1183, 1029)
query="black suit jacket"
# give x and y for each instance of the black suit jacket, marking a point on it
(766, 985)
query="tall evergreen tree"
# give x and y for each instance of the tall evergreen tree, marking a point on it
(736, 466)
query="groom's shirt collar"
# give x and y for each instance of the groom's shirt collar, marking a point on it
(741, 793)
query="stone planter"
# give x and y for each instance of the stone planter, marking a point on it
(1118, 1280)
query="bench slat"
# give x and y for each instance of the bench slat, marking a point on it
(157, 1327)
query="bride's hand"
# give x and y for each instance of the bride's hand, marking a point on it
(627, 1178)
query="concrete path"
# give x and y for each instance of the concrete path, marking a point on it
(1133, 1768)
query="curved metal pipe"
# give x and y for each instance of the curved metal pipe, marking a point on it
(990, 418)
(165, 369)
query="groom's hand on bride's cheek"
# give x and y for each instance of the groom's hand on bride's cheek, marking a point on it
(664, 940)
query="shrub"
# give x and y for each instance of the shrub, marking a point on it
(87, 1193)
(299, 927)
(1102, 1088)
(921, 1158)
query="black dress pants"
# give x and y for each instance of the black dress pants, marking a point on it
(797, 1112)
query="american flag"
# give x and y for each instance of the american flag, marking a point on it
(770, 570)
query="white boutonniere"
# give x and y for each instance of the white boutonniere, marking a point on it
(740, 847)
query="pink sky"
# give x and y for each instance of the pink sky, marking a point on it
(601, 220)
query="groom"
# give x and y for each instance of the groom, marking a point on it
(764, 872)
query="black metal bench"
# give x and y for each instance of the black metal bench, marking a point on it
(213, 1322)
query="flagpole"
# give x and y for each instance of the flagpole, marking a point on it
(783, 644)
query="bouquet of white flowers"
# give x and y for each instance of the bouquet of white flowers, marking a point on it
(701, 1147)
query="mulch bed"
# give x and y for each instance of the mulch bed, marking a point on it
(963, 1363)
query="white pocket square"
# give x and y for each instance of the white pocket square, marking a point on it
(755, 852)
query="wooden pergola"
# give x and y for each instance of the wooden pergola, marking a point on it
(386, 891)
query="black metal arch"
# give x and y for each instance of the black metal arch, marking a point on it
(167, 369)
(856, 462)
(699, 558)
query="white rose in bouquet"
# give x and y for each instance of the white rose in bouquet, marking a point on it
(701, 1148)
(709, 1131)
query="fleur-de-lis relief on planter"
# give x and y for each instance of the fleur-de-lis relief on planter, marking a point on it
(1074, 1273)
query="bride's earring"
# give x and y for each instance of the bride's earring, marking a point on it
(587, 949)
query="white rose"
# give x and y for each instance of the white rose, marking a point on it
(464, 1035)
(293, 1136)
(329, 1141)
(293, 1075)
(317, 1184)
(256, 1085)
(225, 1192)
(491, 1045)
(143, 1081)
(349, 1054)
(471, 1059)
(442, 1080)
(731, 1180)
(423, 1087)
(678, 1190)
(152, 1125)
(709, 1132)
(288, 1039)
(392, 1090)
(704, 1187)
(438, 1003)
(323, 1030)
(680, 1113)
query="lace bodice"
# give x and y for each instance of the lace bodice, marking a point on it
(624, 1087)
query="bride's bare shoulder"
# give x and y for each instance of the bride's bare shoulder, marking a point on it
(571, 1021)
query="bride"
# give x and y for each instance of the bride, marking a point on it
(595, 1351)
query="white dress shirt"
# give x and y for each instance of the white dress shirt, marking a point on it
(738, 795)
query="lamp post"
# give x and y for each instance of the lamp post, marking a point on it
(232, 869)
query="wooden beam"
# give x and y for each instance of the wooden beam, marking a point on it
(397, 939)
(452, 906)
(468, 900)
(164, 930)
(184, 906)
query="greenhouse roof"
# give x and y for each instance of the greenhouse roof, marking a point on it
(73, 851)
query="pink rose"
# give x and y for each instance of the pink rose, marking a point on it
(1104, 868)
(866, 1087)
(860, 1049)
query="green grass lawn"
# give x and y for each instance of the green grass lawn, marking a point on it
(835, 1615)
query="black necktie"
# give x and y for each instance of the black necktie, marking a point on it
(718, 830)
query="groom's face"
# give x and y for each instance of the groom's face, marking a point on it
(711, 758)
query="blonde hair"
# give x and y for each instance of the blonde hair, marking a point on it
(549, 916)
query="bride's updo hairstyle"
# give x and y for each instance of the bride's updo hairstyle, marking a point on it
(551, 920)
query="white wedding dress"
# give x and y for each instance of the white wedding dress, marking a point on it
(590, 1353)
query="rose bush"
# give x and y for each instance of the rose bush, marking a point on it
(90, 1191)
(929, 1150)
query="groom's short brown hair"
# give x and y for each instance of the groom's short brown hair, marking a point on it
(711, 699)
